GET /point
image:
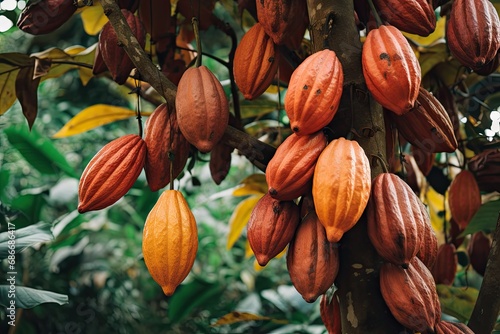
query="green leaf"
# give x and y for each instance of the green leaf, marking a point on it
(30, 205)
(29, 297)
(457, 301)
(24, 237)
(485, 219)
(4, 181)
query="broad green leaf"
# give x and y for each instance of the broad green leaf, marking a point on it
(239, 219)
(4, 182)
(457, 301)
(24, 237)
(8, 75)
(93, 19)
(434, 37)
(235, 317)
(93, 117)
(254, 184)
(29, 298)
(485, 219)
(38, 151)
(30, 205)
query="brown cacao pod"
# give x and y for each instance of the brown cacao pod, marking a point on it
(306, 204)
(167, 148)
(391, 69)
(330, 314)
(341, 194)
(202, 10)
(220, 162)
(314, 92)
(174, 70)
(427, 126)
(99, 66)
(45, 16)
(111, 173)
(479, 249)
(312, 261)
(411, 295)
(473, 32)
(464, 198)
(428, 249)
(394, 218)
(424, 160)
(447, 100)
(271, 226)
(414, 16)
(445, 268)
(202, 108)
(156, 17)
(170, 241)
(255, 62)
(446, 327)
(486, 168)
(114, 56)
(490, 67)
(290, 171)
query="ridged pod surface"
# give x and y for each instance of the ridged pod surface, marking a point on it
(428, 249)
(446, 327)
(341, 186)
(391, 69)
(202, 108)
(271, 226)
(170, 240)
(473, 32)
(289, 173)
(111, 173)
(43, 17)
(330, 314)
(411, 295)
(479, 249)
(314, 92)
(412, 16)
(394, 219)
(165, 144)
(464, 198)
(485, 167)
(445, 267)
(312, 261)
(255, 62)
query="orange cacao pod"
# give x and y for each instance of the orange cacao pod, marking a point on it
(170, 240)
(391, 69)
(220, 162)
(202, 108)
(111, 173)
(447, 327)
(428, 249)
(289, 173)
(394, 216)
(330, 314)
(428, 125)
(411, 295)
(165, 145)
(464, 198)
(255, 62)
(43, 17)
(445, 267)
(479, 249)
(314, 92)
(271, 226)
(473, 32)
(341, 186)
(414, 16)
(312, 261)
(424, 160)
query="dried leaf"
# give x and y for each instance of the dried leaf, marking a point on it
(235, 317)
(26, 92)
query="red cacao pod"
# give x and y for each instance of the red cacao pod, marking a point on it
(220, 162)
(445, 268)
(156, 17)
(111, 173)
(424, 160)
(330, 314)
(446, 327)
(486, 169)
(428, 249)
(45, 16)
(314, 92)
(464, 198)
(290, 171)
(391, 69)
(414, 16)
(490, 67)
(312, 261)
(202, 108)
(99, 66)
(479, 249)
(271, 226)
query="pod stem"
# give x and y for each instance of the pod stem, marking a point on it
(375, 13)
(382, 162)
(196, 31)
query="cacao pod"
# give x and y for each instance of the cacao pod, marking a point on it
(330, 314)
(446, 327)
(464, 198)
(220, 162)
(255, 62)
(131, 5)
(428, 249)
(341, 194)
(170, 241)
(490, 67)
(202, 108)
(394, 218)
(479, 249)
(473, 32)
(289, 173)
(445, 268)
(424, 160)
(174, 70)
(99, 66)
(45, 16)
(411, 295)
(314, 92)
(111, 173)
(447, 100)
(414, 16)
(312, 261)
(306, 204)
(202, 10)
(455, 231)
(427, 126)
(156, 17)
(271, 226)
(486, 168)
(167, 149)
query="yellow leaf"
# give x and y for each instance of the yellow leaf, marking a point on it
(257, 266)
(283, 252)
(434, 37)
(254, 184)
(93, 19)
(8, 75)
(235, 317)
(239, 219)
(435, 201)
(248, 250)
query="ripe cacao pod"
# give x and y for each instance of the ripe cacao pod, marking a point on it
(314, 92)
(445, 268)
(414, 16)
(424, 160)
(166, 146)
(391, 69)
(479, 249)
(341, 194)
(220, 162)
(490, 67)
(156, 17)
(312, 261)
(447, 327)
(306, 204)
(202, 108)
(486, 168)
(271, 226)
(174, 70)
(255, 62)
(394, 218)
(428, 249)
(427, 126)
(111, 173)
(411, 295)
(202, 10)
(289, 173)
(170, 240)
(473, 32)
(99, 66)
(45, 16)
(330, 314)
(464, 198)
(455, 231)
